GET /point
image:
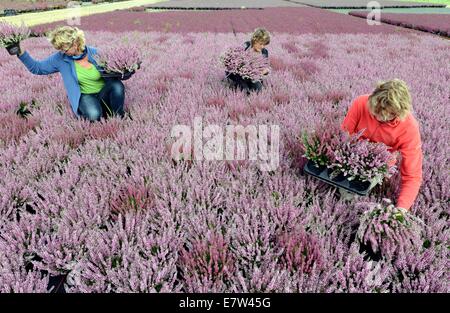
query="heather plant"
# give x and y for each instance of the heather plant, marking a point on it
(11, 34)
(13, 127)
(315, 149)
(390, 230)
(209, 261)
(119, 59)
(245, 63)
(360, 159)
(301, 251)
(323, 139)
(132, 199)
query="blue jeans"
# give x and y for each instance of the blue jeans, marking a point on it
(109, 101)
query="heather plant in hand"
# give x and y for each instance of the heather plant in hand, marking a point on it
(119, 59)
(389, 230)
(11, 34)
(245, 63)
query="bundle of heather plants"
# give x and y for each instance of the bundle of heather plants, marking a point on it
(348, 155)
(389, 230)
(245, 63)
(359, 159)
(119, 59)
(11, 34)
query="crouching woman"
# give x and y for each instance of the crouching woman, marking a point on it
(90, 96)
(259, 40)
(386, 117)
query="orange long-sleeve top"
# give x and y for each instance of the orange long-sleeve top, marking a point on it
(402, 136)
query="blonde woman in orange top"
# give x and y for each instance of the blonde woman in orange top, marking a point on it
(386, 117)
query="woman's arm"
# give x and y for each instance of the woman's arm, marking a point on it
(44, 67)
(353, 116)
(410, 168)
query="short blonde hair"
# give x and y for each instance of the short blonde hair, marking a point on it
(390, 99)
(260, 35)
(65, 36)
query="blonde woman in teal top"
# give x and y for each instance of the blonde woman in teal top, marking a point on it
(90, 96)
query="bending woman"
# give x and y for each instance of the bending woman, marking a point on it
(90, 96)
(386, 117)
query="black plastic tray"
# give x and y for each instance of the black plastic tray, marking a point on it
(323, 176)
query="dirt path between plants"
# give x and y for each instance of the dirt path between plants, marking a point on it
(32, 19)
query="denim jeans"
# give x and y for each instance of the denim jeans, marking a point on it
(109, 101)
(244, 84)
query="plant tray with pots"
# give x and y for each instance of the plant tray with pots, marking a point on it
(323, 173)
(120, 76)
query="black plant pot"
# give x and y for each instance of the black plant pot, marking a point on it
(114, 75)
(316, 170)
(370, 254)
(14, 49)
(339, 178)
(57, 283)
(359, 185)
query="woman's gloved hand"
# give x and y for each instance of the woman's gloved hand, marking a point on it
(14, 49)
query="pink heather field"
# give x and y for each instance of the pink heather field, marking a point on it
(105, 208)
(438, 24)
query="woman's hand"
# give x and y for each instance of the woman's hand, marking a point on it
(15, 49)
(401, 212)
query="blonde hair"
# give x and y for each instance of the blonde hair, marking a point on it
(65, 36)
(260, 35)
(390, 99)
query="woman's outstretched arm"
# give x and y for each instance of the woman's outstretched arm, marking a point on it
(44, 67)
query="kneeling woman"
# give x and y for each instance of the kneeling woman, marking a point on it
(90, 96)
(386, 117)
(259, 40)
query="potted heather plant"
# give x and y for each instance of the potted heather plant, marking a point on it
(118, 62)
(245, 63)
(362, 162)
(11, 36)
(315, 152)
